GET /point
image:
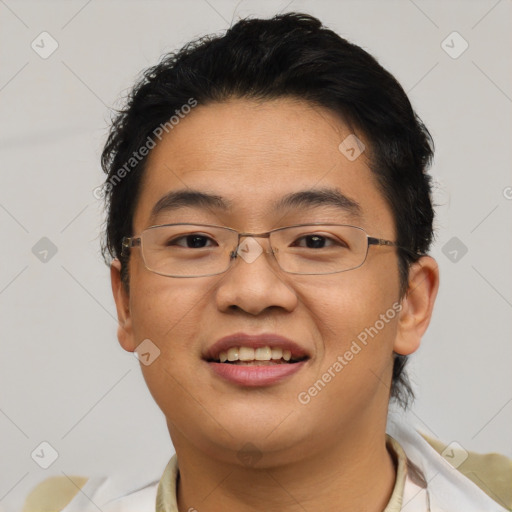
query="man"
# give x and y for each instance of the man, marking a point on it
(269, 219)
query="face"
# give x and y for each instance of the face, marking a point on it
(252, 155)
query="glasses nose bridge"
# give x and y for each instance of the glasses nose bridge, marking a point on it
(267, 234)
(255, 235)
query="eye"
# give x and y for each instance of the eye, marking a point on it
(316, 241)
(191, 241)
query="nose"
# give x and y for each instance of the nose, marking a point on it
(255, 283)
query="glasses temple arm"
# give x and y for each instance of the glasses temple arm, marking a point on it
(380, 241)
(127, 243)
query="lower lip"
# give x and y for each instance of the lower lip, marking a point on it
(256, 375)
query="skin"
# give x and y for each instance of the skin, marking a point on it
(327, 455)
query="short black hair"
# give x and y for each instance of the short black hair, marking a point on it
(290, 55)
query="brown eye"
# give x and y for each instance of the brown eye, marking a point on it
(316, 241)
(193, 241)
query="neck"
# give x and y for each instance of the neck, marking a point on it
(357, 473)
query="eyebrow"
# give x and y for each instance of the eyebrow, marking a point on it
(319, 197)
(311, 198)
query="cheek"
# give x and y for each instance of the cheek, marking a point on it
(168, 314)
(356, 316)
(347, 304)
(166, 309)
(353, 372)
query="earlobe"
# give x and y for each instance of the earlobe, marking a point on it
(122, 300)
(417, 305)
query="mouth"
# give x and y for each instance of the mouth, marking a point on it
(255, 360)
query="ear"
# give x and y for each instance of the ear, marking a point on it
(417, 305)
(122, 300)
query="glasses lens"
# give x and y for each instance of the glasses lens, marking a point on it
(319, 249)
(185, 250)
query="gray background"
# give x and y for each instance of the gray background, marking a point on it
(63, 377)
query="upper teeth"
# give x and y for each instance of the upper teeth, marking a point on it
(251, 354)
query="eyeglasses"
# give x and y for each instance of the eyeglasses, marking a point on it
(200, 250)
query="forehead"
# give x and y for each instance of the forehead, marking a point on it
(255, 156)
